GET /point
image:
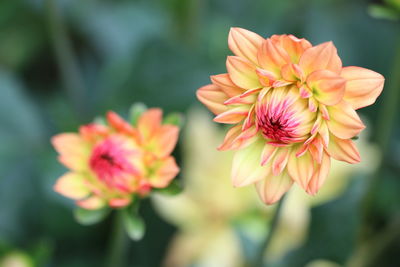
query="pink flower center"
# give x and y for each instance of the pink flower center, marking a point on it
(282, 116)
(110, 162)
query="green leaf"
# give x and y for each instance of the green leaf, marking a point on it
(134, 224)
(100, 120)
(172, 189)
(382, 12)
(135, 111)
(174, 118)
(89, 217)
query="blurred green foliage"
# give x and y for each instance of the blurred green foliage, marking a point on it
(63, 62)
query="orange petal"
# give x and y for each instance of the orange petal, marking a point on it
(272, 57)
(165, 170)
(91, 203)
(74, 151)
(301, 168)
(344, 150)
(119, 202)
(213, 98)
(244, 43)
(242, 73)
(321, 57)
(294, 46)
(92, 132)
(230, 137)
(226, 84)
(165, 140)
(273, 187)
(327, 87)
(363, 86)
(344, 121)
(233, 115)
(246, 167)
(72, 185)
(320, 175)
(292, 72)
(149, 122)
(119, 124)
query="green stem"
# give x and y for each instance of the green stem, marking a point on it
(118, 243)
(66, 59)
(259, 259)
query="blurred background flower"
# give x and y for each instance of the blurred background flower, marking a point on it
(63, 62)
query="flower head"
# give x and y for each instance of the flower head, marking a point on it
(109, 164)
(292, 106)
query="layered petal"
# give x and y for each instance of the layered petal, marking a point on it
(301, 168)
(242, 73)
(73, 150)
(72, 185)
(343, 149)
(363, 86)
(246, 167)
(273, 187)
(226, 85)
(321, 57)
(233, 115)
(326, 86)
(272, 57)
(294, 46)
(149, 122)
(91, 203)
(244, 43)
(165, 140)
(344, 121)
(213, 98)
(320, 175)
(162, 172)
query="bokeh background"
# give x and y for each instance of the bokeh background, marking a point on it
(65, 62)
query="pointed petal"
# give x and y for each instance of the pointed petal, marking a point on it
(244, 43)
(272, 57)
(233, 115)
(246, 167)
(72, 185)
(321, 57)
(344, 150)
(294, 46)
(327, 87)
(74, 151)
(91, 203)
(230, 137)
(320, 175)
(301, 168)
(344, 121)
(119, 202)
(149, 122)
(167, 169)
(363, 86)
(267, 154)
(280, 160)
(242, 73)
(273, 187)
(165, 140)
(119, 124)
(213, 98)
(226, 85)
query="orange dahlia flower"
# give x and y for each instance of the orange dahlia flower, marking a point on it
(110, 164)
(293, 108)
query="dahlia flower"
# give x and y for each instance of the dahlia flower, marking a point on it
(292, 106)
(111, 164)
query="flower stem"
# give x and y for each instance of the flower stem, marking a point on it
(259, 259)
(118, 243)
